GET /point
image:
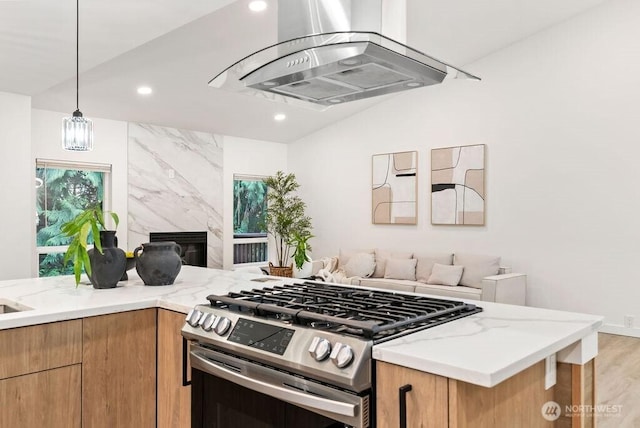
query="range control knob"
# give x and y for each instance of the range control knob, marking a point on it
(320, 348)
(342, 355)
(193, 317)
(206, 322)
(221, 325)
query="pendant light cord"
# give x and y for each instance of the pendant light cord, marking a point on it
(77, 54)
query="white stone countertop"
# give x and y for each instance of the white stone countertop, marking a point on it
(57, 298)
(491, 346)
(483, 349)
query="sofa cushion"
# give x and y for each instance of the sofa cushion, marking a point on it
(381, 260)
(460, 292)
(345, 255)
(445, 275)
(426, 261)
(476, 267)
(388, 284)
(360, 264)
(401, 269)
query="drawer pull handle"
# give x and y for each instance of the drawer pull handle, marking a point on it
(403, 404)
(185, 355)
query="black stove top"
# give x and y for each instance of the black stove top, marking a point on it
(371, 314)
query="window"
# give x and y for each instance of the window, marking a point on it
(249, 213)
(64, 190)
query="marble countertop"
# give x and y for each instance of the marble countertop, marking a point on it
(58, 299)
(491, 346)
(483, 349)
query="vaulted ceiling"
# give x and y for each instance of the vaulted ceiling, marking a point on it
(177, 46)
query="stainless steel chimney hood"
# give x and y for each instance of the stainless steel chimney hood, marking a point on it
(335, 51)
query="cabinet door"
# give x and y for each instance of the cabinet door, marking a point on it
(174, 399)
(426, 396)
(49, 398)
(119, 370)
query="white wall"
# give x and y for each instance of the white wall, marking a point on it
(559, 114)
(17, 188)
(246, 157)
(110, 147)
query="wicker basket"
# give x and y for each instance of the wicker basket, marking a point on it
(286, 271)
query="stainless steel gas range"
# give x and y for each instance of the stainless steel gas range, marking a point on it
(277, 356)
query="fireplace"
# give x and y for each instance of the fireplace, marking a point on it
(194, 245)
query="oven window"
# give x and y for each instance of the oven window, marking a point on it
(218, 403)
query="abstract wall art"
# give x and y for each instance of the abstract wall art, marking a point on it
(394, 188)
(457, 185)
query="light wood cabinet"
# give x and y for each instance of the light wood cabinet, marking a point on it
(40, 372)
(40, 347)
(426, 401)
(49, 398)
(119, 370)
(174, 398)
(439, 402)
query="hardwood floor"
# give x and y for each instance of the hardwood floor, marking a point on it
(618, 380)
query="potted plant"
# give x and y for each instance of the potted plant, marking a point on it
(285, 219)
(301, 259)
(104, 264)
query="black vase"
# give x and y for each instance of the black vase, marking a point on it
(107, 268)
(159, 263)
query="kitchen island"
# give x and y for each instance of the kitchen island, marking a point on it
(497, 360)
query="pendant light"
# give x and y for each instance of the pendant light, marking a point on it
(77, 131)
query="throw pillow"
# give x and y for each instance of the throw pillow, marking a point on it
(401, 269)
(361, 264)
(381, 260)
(445, 274)
(426, 262)
(345, 255)
(476, 267)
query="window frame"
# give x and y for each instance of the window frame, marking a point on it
(105, 169)
(250, 240)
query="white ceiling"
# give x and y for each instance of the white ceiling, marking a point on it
(177, 46)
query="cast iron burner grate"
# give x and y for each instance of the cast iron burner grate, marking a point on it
(372, 314)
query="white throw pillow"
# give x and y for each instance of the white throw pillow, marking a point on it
(381, 260)
(401, 269)
(426, 262)
(445, 275)
(476, 267)
(345, 254)
(361, 264)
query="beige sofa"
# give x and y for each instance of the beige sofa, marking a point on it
(459, 275)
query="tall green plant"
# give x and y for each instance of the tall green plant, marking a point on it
(86, 224)
(285, 214)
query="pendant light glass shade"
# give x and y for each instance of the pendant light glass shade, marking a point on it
(77, 131)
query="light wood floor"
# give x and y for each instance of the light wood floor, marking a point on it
(618, 380)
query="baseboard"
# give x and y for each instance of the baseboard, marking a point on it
(620, 330)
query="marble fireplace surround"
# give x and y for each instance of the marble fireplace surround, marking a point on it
(175, 184)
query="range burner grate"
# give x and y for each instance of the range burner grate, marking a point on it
(373, 314)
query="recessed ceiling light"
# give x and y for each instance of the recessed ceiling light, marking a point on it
(144, 90)
(414, 84)
(280, 117)
(335, 101)
(258, 5)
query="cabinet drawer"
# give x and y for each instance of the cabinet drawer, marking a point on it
(48, 399)
(40, 347)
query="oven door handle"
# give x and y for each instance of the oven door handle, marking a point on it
(289, 395)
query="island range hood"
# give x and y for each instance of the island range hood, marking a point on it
(331, 52)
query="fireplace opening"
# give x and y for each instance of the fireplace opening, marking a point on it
(193, 244)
